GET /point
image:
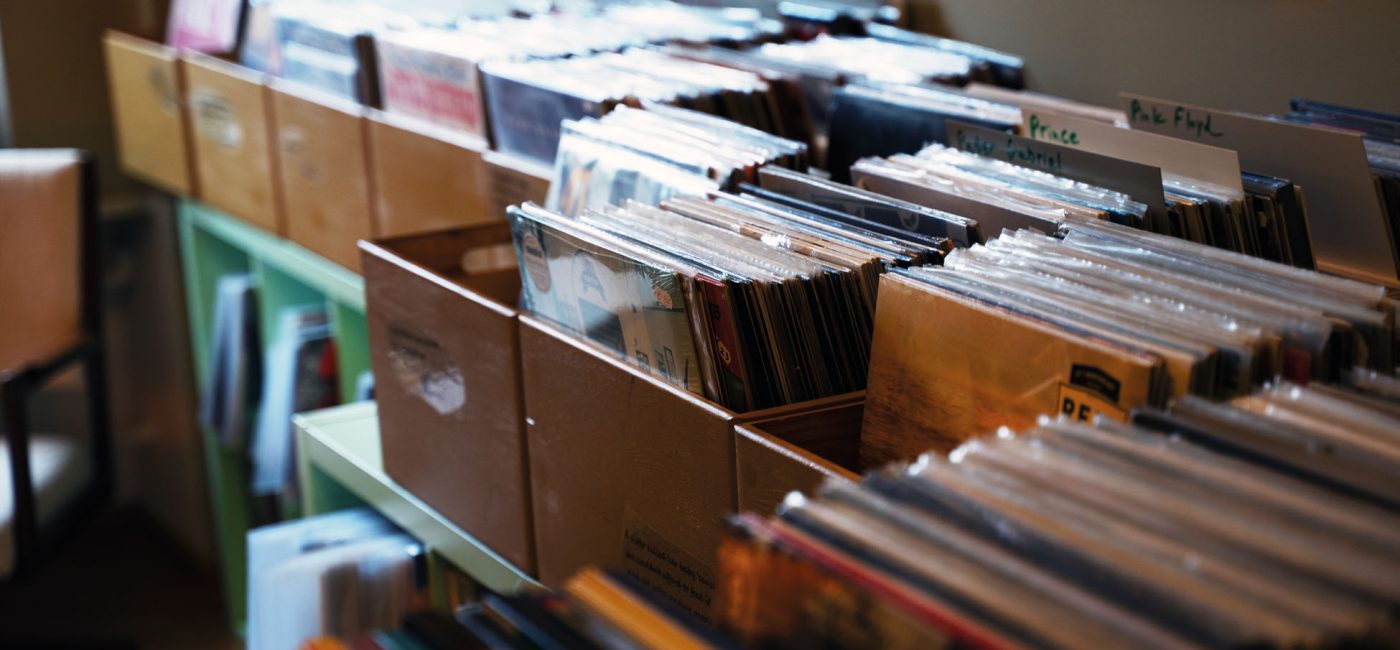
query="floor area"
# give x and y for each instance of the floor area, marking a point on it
(121, 583)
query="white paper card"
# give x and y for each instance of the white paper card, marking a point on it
(1345, 216)
(1214, 167)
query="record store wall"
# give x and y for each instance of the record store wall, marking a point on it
(1245, 54)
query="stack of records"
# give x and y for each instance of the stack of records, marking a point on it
(802, 92)
(1374, 383)
(808, 19)
(988, 65)
(327, 45)
(1104, 321)
(527, 100)
(1278, 214)
(998, 195)
(1268, 522)
(751, 303)
(1378, 127)
(1007, 181)
(432, 72)
(655, 154)
(883, 113)
(665, 22)
(883, 119)
(875, 59)
(1340, 439)
(786, 186)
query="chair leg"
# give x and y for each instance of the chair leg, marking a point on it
(14, 397)
(99, 423)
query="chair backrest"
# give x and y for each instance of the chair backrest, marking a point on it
(47, 231)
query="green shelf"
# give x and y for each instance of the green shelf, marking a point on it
(214, 244)
(338, 284)
(338, 453)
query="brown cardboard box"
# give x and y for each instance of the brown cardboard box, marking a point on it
(797, 451)
(427, 177)
(945, 367)
(626, 471)
(147, 88)
(324, 171)
(444, 346)
(231, 120)
(512, 181)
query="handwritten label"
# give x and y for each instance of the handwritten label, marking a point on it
(1181, 118)
(1018, 152)
(1176, 157)
(1346, 218)
(1143, 183)
(679, 576)
(1039, 127)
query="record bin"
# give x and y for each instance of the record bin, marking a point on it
(797, 451)
(232, 134)
(629, 471)
(445, 350)
(147, 90)
(320, 141)
(426, 177)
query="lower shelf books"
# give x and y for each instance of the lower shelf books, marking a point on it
(1267, 521)
(235, 370)
(340, 575)
(597, 609)
(301, 376)
(295, 372)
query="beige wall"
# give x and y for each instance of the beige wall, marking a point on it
(1243, 54)
(53, 72)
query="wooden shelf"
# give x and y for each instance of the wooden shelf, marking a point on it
(338, 449)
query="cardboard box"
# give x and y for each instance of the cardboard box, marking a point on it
(626, 471)
(445, 349)
(945, 368)
(427, 177)
(231, 117)
(512, 181)
(324, 171)
(147, 89)
(797, 452)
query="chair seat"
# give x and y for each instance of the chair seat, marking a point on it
(59, 465)
(18, 349)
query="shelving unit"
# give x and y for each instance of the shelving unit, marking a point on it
(340, 466)
(214, 244)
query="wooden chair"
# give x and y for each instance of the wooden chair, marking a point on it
(50, 322)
